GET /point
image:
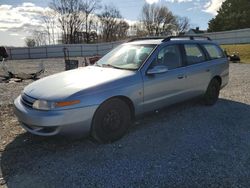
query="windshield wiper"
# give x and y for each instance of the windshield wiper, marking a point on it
(109, 65)
(112, 66)
(98, 65)
(106, 65)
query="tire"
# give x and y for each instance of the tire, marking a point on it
(212, 94)
(111, 121)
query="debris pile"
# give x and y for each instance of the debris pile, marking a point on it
(8, 76)
(91, 60)
(235, 57)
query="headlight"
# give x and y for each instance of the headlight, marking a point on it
(43, 105)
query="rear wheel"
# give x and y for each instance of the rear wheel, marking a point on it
(212, 94)
(111, 121)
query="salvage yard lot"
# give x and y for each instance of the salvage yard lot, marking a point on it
(185, 145)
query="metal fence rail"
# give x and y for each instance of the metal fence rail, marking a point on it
(55, 51)
(241, 36)
(228, 37)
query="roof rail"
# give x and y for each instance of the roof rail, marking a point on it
(190, 37)
(145, 38)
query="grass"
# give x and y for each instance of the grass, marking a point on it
(242, 49)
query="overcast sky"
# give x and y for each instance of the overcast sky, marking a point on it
(19, 17)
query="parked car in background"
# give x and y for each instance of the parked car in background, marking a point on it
(139, 76)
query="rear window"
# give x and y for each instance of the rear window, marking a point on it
(194, 54)
(214, 51)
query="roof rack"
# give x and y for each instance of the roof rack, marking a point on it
(190, 37)
(145, 38)
(169, 38)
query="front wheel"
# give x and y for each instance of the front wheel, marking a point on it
(111, 121)
(212, 94)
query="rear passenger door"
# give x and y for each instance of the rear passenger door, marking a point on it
(197, 69)
(218, 61)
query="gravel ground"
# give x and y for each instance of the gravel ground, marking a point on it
(185, 145)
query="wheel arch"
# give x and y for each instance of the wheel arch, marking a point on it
(128, 101)
(123, 98)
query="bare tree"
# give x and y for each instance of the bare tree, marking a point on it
(182, 25)
(30, 42)
(40, 37)
(49, 19)
(112, 25)
(89, 7)
(140, 29)
(108, 22)
(70, 17)
(122, 29)
(157, 20)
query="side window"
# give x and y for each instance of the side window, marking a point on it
(214, 51)
(194, 54)
(169, 56)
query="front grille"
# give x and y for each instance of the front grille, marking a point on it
(27, 100)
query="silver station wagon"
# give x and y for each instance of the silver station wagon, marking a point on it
(139, 76)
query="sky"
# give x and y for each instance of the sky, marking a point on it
(18, 18)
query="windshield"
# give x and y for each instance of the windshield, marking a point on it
(127, 56)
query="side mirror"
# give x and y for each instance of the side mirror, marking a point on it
(158, 69)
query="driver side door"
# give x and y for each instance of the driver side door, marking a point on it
(165, 87)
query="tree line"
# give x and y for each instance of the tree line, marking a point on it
(233, 14)
(87, 21)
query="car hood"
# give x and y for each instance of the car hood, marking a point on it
(65, 84)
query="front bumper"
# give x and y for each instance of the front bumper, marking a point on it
(48, 123)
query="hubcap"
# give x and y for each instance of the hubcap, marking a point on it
(111, 121)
